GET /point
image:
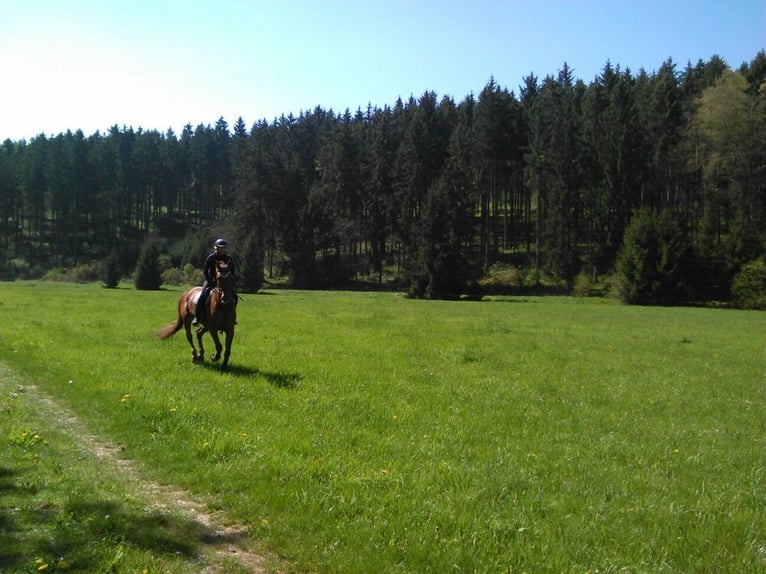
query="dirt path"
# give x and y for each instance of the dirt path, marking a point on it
(220, 541)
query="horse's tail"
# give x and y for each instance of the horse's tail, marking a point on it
(170, 330)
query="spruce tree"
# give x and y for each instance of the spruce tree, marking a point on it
(110, 271)
(148, 273)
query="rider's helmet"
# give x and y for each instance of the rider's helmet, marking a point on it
(221, 243)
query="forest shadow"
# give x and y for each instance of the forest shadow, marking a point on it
(33, 525)
(10, 554)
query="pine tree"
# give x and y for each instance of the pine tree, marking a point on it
(652, 265)
(250, 263)
(110, 271)
(148, 272)
(558, 155)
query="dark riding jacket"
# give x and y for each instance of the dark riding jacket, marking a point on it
(209, 268)
(209, 271)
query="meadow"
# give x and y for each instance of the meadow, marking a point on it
(367, 432)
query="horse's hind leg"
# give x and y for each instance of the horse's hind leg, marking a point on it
(195, 357)
(201, 331)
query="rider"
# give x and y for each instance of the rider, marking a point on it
(218, 254)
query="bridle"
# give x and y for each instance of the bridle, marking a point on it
(224, 285)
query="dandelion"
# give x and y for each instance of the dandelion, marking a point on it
(125, 398)
(264, 522)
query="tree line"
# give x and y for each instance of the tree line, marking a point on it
(656, 178)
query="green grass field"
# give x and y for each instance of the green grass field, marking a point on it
(365, 432)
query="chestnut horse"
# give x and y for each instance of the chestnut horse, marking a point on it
(220, 316)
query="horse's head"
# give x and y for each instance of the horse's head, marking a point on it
(225, 282)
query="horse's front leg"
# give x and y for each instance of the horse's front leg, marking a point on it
(187, 327)
(227, 351)
(218, 346)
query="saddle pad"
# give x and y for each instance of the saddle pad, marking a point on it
(196, 297)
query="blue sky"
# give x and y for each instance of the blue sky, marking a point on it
(159, 64)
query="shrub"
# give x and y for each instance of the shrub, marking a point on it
(17, 268)
(583, 284)
(148, 274)
(110, 272)
(172, 276)
(502, 275)
(192, 275)
(250, 263)
(749, 288)
(54, 274)
(85, 273)
(652, 262)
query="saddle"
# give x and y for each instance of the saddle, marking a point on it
(200, 299)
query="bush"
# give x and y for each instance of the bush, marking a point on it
(85, 273)
(192, 275)
(583, 284)
(15, 269)
(502, 275)
(652, 264)
(749, 288)
(250, 263)
(172, 276)
(148, 274)
(110, 272)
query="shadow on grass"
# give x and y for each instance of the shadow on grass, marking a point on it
(87, 531)
(279, 380)
(6, 522)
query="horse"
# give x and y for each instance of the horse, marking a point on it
(220, 316)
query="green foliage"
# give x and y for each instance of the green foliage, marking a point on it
(250, 263)
(583, 284)
(368, 432)
(443, 268)
(749, 289)
(553, 177)
(148, 274)
(192, 275)
(111, 272)
(191, 248)
(18, 268)
(501, 276)
(173, 276)
(85, 273)
(652, 264)
(188, 275)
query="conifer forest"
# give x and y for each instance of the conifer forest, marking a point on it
(655, 181)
